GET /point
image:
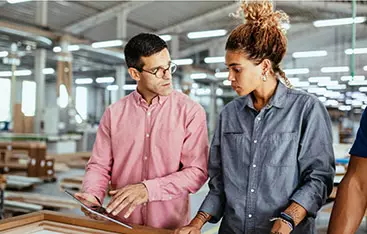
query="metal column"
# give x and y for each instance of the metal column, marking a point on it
(121, 70)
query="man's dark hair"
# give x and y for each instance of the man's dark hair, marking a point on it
(142, 45)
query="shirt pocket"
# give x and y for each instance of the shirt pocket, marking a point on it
(234, 149)
(280, 149)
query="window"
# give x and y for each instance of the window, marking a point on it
(63, 99)
(29, 98)
(81, 101)
(5, 91)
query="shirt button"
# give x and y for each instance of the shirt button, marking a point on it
(254, 165)
(259, 118)
(147, 135)
(145, 158)
(144, 204)
(169, 198)
(252, 190)
(148, 113)
(255, 141)
(250, 215)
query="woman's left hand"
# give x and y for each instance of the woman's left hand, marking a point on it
(280, 227)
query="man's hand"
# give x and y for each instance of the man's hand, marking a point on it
(280, 227)
(187, 230)
(90, 201)
(127, 197)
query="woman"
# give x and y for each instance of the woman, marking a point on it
(271, 163)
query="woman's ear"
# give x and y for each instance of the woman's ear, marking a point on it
(266, 66)
(135, 74)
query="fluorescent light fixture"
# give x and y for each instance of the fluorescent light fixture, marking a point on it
(316, 79)
(105, 44)
(3, 54)
(350, 78)
(183, 61)
(301, 84)
(326, 83)
(17, 1)
(220, 59)
(331, 102)
(195, 85)
(357, 82)
(357, 103)
(322, 99)
(363, 107)
(293, 80)
(336, 87)
(356, 51)
(109, 79)
(130, 87)
(345, 108)
(337, 22)
(196, 76)
(319, 91)
(363, 89)
(17, 73)
(221, 74)
(166, 37)
(365, 68)
(309, 54)
(84, 81)
(227, 83)
(332, 94)
(71, 48)
(48, 71)
(334, 69)
(112, 87)
(219, 92)
(203, 91)
(296, 71)
(204, 34)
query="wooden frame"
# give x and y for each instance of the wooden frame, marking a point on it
(49, 221)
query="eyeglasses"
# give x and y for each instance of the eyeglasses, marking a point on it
(160, 72)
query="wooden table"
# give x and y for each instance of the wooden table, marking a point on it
(54, 222)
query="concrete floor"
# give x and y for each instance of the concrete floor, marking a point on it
(196, 200)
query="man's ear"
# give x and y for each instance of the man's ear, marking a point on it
(135, 74)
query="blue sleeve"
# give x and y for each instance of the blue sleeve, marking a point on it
(359, 147)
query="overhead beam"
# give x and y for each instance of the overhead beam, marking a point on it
(191, 23)
(201, 47)
(103, 16)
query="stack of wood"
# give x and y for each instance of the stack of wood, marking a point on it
(21, 123)
(73, 160)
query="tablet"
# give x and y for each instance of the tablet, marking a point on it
(97, 210)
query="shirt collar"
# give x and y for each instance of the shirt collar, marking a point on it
(277, 100)
(139, 98)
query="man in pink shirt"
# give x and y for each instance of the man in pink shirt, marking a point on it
(152, 145)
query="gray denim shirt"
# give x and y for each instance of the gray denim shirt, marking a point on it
(262, 161)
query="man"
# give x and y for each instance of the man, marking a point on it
(152, 145)
(351, 200)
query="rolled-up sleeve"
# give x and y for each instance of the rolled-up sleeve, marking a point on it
(316, 160)
(98, 169)
(215, 200)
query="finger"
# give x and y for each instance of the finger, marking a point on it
(116, 202)
(130, 210)
(113, 192)
(129, 200)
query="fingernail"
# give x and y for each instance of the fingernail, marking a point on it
(114, 213)
(108, 210)
(126, 216)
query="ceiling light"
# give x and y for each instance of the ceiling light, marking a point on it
(345, 108)
(357, 82)
(227, 82)
(71, 48)
(100, 80)
(296, 71)
(183, 61)
(356, 51)
(16, 73)
(301, 84)
(336, 22)
(316, 79)
(166, 37)
(48, 71)
(326, 83)
(112, 87)
(309, 54)
(3, 54)
(322, 99)
(334, 69)
(220, 59)
(196, 76)
(17, 1)
(105, 44)
(130, 87)
(221, 74)
(336, 87)
(365, 68)
(84, 81)
(363, 89)
(204, 34)
(350, 78)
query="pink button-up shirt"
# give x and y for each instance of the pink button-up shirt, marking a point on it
(164, 145)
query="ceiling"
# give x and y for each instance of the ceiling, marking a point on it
(90, 21)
